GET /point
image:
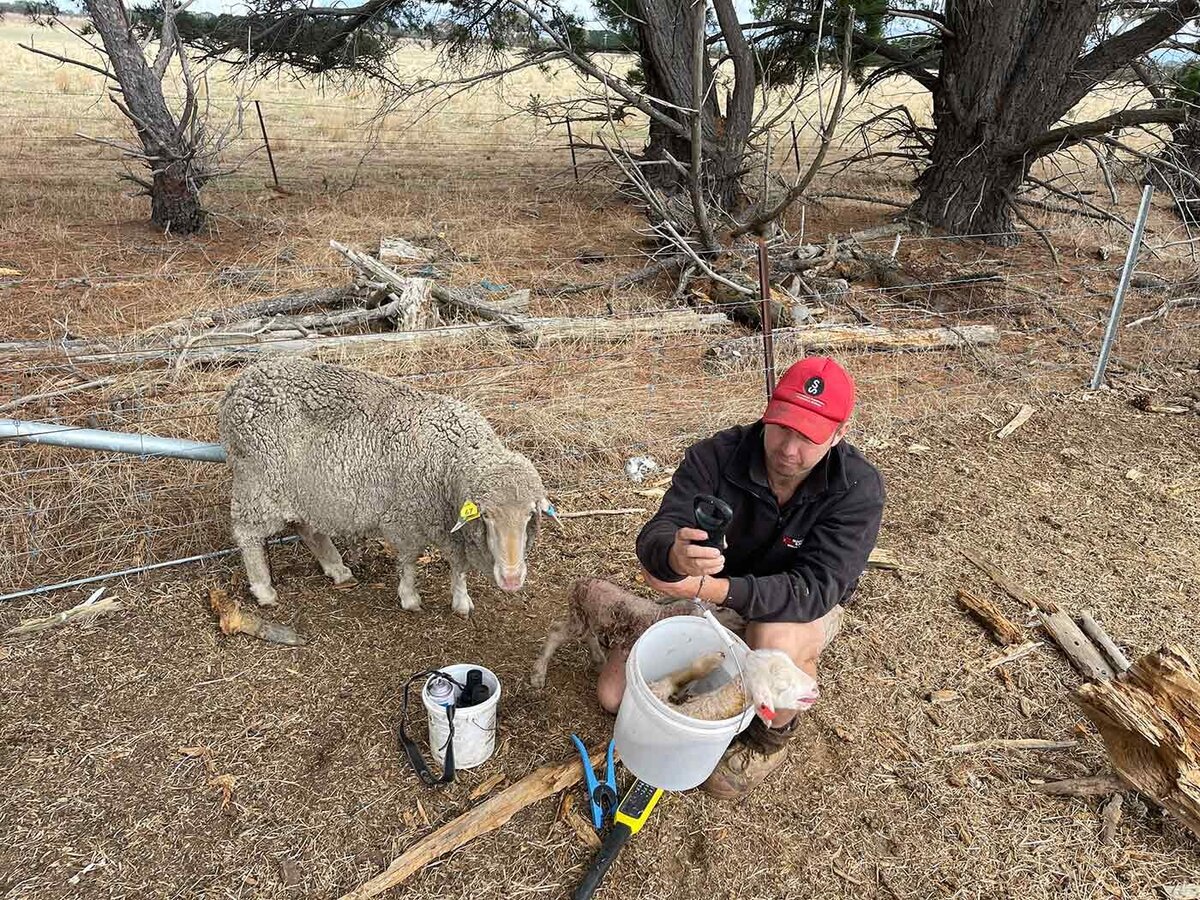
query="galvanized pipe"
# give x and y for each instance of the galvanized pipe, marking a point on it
(144, 445)
(1114, 318)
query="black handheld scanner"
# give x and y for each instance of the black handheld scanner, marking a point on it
(713, 516)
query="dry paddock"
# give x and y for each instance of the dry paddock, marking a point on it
(1092, 503)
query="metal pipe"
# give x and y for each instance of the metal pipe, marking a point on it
(1114, 319)
(144, 445)
(92, 579)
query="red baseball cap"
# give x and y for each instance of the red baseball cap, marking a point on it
(813, 397)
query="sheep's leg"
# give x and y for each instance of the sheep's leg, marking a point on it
(410, 600)
(253, 545)
(568, 629)
(326, 554)
(460, 600)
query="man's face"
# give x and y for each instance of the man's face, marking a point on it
(790, 454)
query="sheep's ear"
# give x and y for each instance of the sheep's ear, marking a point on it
(548, 508)
(467, 513)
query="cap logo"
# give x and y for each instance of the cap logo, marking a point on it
(815, 386)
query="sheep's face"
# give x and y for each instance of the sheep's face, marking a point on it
(511, 529)
(776, 683)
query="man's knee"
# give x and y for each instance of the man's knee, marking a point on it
(802, 641)
(610, 686)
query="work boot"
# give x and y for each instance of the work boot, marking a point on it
(753, 755)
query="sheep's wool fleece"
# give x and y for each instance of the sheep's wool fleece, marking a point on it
(353, 453)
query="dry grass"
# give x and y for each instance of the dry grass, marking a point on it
(92, 721)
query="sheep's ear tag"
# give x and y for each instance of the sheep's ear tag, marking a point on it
(468, 513)
(551, 511)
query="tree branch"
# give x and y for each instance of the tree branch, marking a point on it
(693, 176)
(69, 61)
(827, 133)
(1069, 135)
(1110, 55)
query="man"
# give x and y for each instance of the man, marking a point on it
(806, 514)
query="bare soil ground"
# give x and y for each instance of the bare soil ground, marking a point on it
(1092, 503)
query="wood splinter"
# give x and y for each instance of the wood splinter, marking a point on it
(999, 625)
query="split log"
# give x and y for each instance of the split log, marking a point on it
(1090, 786)
(487, 816)
(1149, 719)
(1102, 640)
(542, 331)
(460, 302)
(377, 271)
(1074, 643)
(797, 342)
(1012, 744)
(998, 624)
(88, 611)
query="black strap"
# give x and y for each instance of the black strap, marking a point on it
(413, 752)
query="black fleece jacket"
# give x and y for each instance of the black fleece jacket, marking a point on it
(784, 565)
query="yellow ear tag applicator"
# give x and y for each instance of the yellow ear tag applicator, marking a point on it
(468, 513)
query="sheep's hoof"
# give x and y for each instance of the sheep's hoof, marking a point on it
(538, 680)
(410, 604)
(264, 595)
(345, 584)
(463, 608)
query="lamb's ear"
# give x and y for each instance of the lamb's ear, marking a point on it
(469, 512)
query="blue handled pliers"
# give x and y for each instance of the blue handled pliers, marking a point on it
(601, 795)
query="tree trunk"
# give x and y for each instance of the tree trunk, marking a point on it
(175, 202)
(1005, 71)
(666, 43)
(176, 170)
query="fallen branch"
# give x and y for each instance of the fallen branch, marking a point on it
(1149, 719)
(797, 342)
(1075, 645)
(50, 395)
(272, 306)
(585, 513)
(999, 625)
(88, 611)
(539, 331)
(1022, 416)
(1012, 744)
(487, 816)
(1091, 786)
(377, 271)
(1164, 309)
(1101, 639)
(636, 277)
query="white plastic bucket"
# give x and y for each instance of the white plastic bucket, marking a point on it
(657, 743)
(474, 727)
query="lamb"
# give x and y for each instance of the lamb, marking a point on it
(770, 678)
(600, 609)
(341, 452)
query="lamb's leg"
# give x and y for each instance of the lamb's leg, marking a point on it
(568, 629)
(327, 555)
(599, 657)
(253, 544)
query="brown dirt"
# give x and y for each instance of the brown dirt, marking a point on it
(97, 799)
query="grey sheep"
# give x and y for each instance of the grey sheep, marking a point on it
(337, 451)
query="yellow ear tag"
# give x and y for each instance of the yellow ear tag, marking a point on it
(468, 513)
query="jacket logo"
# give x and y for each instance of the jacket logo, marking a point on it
(792, 542)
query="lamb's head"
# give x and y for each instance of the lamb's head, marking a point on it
(507, 497)
(774, 682)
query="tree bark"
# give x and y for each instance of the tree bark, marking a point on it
(1004, 68)
(666, 42)
(177, 173)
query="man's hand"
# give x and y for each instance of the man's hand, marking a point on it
(687, 558)
(714, 590)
